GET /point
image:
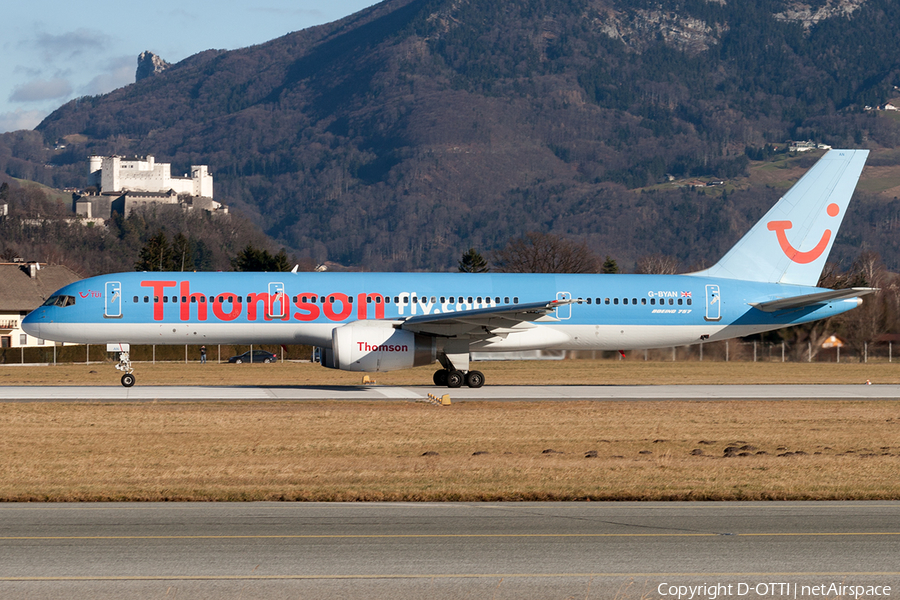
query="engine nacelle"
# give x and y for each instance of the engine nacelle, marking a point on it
(376, 346)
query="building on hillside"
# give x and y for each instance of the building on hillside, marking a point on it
(124, 184)
(806, 146)
(24, 287)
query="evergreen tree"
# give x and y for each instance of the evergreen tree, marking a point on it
(156, 255)
(609, 265)
(472, 262)
(256, 259)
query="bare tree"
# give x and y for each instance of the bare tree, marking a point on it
(657, 264)
(863, 325)
(545, 253)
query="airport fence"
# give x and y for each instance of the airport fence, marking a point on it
(94, 353)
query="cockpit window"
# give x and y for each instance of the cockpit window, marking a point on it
(60, 301)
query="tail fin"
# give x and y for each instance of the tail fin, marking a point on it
(791, 242)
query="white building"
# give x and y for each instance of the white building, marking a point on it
(118, 174)
(125, 183)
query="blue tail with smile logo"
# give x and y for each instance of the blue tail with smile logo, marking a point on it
(791, 243)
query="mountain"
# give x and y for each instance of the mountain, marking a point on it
(402, 135)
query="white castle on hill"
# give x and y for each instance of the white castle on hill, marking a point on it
(126, 183)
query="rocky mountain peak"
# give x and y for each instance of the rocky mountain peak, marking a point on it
(149, 64)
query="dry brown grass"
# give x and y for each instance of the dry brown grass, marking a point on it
(374, 451)
(566, 372)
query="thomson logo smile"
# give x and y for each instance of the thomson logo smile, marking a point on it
(780, 227)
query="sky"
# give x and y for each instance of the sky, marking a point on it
(54, 51)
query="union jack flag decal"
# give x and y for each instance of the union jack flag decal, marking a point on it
(685, 294)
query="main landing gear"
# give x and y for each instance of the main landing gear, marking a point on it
(125, 365)
(455, 379)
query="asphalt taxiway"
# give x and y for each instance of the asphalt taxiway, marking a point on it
(143, 393)
(448, 550)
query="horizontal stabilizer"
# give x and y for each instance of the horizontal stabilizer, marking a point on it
(810, 299)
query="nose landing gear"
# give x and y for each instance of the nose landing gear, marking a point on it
(125, 365)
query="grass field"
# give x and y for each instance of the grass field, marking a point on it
(329, 450)
(565, 372)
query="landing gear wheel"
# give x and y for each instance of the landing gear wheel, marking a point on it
(455, 379)
(474, 379)
(128, 380)
(440, 377)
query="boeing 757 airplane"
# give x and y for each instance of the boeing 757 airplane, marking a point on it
(388, 321)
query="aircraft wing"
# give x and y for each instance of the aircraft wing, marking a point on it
(482, 322)
(809, 299)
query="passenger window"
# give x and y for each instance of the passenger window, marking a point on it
(135, 299)
(184, 299)
(479, 299)
(634, 300)
(515, 299)
(606, 301)
(689, 301)
(470, 299)
(505, 299)
(322, 299)
(433, 299)
(680, 301)
(497, 300)
(652, 301)
(156, 299)
(615, 300)
(377, 299)
(588, 300)
(644, 301)
(443, 299)
(671, 301)
(624, 300)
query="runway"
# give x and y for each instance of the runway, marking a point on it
(139, 393)
(448, 550)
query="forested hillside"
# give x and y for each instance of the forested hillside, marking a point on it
(403, 135)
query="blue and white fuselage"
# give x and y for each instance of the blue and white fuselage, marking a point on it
(385, 321)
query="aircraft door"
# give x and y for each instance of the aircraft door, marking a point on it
(713, 303)
(563, 312)
(112, 300)
(278, 299)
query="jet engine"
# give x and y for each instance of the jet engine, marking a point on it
(378, 346)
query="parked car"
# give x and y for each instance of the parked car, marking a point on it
(259, 356)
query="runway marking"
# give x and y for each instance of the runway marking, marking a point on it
(438, 536)
(451, 576)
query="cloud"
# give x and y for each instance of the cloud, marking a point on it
(119, 72)
(71, 44)
(21, 119)
(41, 89)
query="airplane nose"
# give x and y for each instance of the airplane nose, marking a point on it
(31, 324)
